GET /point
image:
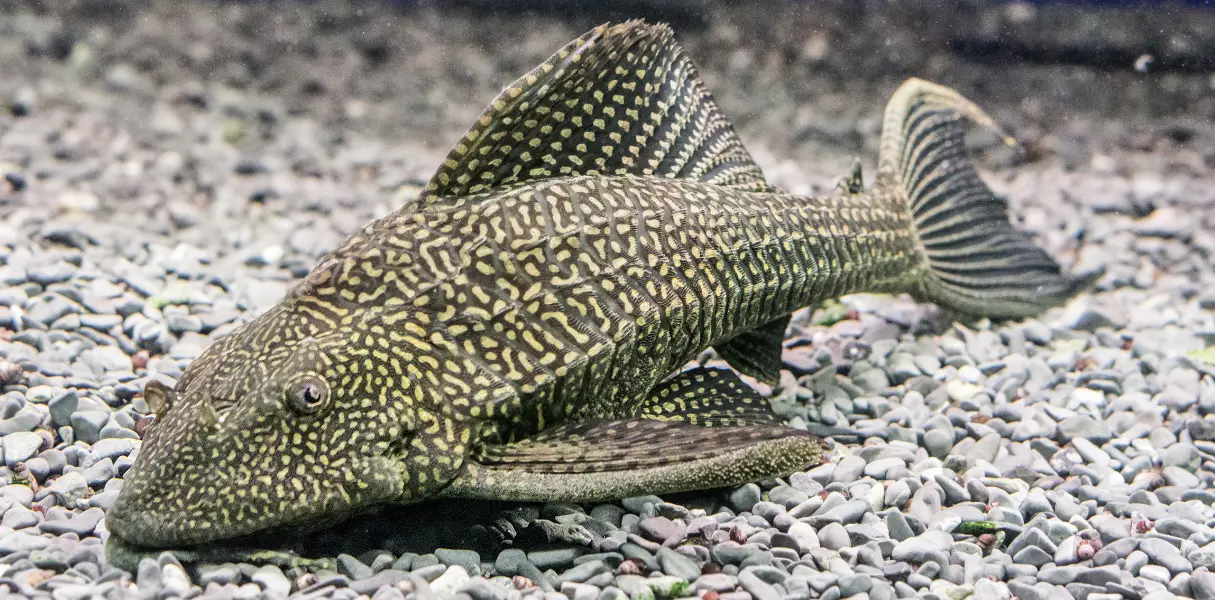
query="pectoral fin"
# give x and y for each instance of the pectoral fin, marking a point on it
(608, 460)
(757, 353)
(706, 397)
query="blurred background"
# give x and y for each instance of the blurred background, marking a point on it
(807, 75)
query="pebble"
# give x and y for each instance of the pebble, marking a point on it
(20, 446)
(938, 442)
(677, 564)
(1202, 585)
(468, 559)
(81, 524)
(274, 583)
(1166, 555)
(451, 580)
(745, 497)
(757, 587)
(918, 549)
(353, 567)
(852, 585)
(1084, 427)
(509, 561)
(660, 529)
(832, 536)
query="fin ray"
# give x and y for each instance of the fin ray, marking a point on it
(757, 353)
(978, 262)
(706, 397)
(621, 99)
(601, 461)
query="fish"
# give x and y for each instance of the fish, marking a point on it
(519, 331)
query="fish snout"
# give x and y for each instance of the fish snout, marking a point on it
(137, 527)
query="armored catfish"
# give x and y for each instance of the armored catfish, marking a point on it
(517, 331)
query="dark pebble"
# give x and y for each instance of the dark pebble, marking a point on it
(370, 584)
(464, 558)
(352, 567)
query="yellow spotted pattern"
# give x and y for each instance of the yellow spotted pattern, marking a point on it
(600, 226)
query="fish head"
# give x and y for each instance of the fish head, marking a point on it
(279, 425)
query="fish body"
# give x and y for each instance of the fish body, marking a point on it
(517, 332)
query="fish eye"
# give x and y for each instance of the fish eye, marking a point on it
(307, 396)
(158, 396)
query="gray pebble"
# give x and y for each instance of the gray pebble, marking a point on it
(1099, 576)
(112, 448)
(917, 549)
(509, 561)
(717, 582)
(757, 587)
(636, 504)
(1083, 426)
(19, 517)
(220, 574)
(272, 580)
(938, 442)
(608, 513)
(87, 424)
(1033, 555)
(352, 567)
(583, 572)
(465, 558)
(1165, 554)
(745, 497)
(880, 467)
(20, 541)
(81, 524)
(897, 525)
(1202, 585)
(481, 589)
(850, 585)
(27, 418)
(556, 558)
(677, 564)
(846, 513)
(729, 555)
(832, 536)
(848, 470)
(20, 447)
(385, 578)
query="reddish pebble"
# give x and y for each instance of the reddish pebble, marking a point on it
(631, 566)
(1085, 551)
(737, 535)
(10, 372)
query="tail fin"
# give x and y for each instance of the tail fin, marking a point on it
(978, 263)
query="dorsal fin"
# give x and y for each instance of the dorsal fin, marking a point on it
(622, 99)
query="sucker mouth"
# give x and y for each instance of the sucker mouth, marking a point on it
(419, 528)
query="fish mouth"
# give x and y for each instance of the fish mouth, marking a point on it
(136, 537)
(139, 523)
(139, 526)
(419, 528)
(307, 535)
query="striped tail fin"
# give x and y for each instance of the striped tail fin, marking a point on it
(977, 262)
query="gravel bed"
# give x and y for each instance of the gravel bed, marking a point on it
(165, 175)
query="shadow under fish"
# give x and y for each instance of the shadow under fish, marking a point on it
(484, 527)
